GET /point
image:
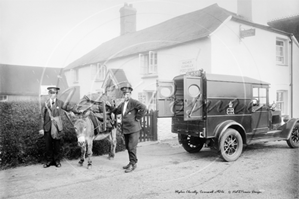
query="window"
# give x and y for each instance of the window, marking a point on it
(148, 63)
(98, 72)
(281, 52)
(3, 98)
(101, 72)
(260, 94)
(93, 71)
(74, 73)
(281, 98)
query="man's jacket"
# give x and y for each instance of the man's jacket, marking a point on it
(135, 110)
(56, 110)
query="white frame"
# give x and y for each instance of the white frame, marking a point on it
(5, 98)
(148, 63)
(283, 102)
(283, 49)
(101, 72)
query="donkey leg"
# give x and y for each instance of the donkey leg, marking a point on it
(90, 153)
(113, 142)
(82, 157)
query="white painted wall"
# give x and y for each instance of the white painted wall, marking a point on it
(169, 59)
(295, 73)
(168, 65)
(253, 56)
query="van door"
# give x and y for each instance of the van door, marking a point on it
(193, 98)
(260, 111)
(165, 98)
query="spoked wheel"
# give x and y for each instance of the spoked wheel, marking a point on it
(293, 141)
(192, 144)
(231, 145)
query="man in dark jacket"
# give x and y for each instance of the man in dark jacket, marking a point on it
(55, 107)
(132, 111)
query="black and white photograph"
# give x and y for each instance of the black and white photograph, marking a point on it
(149, 99)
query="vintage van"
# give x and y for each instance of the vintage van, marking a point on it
(222, 112)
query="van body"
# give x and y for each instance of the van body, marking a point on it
(222, 112)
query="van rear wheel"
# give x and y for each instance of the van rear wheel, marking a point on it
(231, 145)
(192, 144)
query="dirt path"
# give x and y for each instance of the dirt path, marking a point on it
(164, 170)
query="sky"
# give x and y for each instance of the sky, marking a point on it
(54, 33)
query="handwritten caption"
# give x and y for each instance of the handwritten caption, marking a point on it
(217, 192)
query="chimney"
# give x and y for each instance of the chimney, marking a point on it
(127, 19)
(244, 9)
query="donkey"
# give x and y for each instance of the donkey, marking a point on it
(84, 129)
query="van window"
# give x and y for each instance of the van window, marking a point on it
(260, 94)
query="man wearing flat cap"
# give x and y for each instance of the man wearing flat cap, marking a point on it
(132, 111)
(51, 108)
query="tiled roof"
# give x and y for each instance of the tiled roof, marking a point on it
(181, 29)
(26, 80)
(287, 24)
(185, 28)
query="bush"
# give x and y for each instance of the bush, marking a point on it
(21, 144)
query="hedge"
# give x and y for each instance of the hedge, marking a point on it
(21, 144)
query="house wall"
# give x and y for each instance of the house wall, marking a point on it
(253, 56)
(171, 60)
(170, 64)
(295, 76)
(85, 80)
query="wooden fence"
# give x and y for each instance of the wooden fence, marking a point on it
(149, 126)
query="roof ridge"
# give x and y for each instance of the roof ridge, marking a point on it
(179, 29)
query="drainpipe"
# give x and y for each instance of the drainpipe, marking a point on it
(291, 37)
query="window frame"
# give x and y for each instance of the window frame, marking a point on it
(283, 102)
(148, 63)
(259, 95)
(101, 72)
(283, 50)
(74, 74)
(5, 98)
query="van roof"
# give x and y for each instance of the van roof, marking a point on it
(229, 78)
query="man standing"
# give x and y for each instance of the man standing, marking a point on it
(51, 108)
(132, 111)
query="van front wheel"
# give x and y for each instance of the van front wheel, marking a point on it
(293, 141)
(231, 145)
(192, 144)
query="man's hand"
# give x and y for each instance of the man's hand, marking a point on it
(41, 132)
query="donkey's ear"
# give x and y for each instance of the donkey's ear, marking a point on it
(72, 116)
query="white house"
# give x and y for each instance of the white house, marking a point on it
(212, 39)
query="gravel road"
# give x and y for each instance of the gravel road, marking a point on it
(165, 170)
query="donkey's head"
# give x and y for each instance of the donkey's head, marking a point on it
(82, 128)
